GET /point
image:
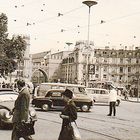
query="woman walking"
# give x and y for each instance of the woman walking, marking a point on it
(68, 115)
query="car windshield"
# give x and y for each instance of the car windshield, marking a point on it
(54, 93)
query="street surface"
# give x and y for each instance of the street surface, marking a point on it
(94, 125)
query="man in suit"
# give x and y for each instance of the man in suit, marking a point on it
(21, 109)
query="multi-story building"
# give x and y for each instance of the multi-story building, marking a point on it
(120, 66)
(74, 68)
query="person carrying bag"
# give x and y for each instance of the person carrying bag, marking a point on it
(69, 115)
(75, 130)
(20, 112)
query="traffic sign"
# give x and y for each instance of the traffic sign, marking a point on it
(91, 69)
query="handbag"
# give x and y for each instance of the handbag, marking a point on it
(66, 133)
(76, 133)
(25, 129)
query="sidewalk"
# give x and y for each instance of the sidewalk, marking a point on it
(132, 99)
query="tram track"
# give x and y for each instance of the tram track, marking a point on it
(111, 137)
(104, 121)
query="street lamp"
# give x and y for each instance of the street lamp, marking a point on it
(89, 3)
(68, 43)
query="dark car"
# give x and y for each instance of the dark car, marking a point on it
(53, 99)
(7, 100)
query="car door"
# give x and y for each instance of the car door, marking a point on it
(104, 96)
(57, 99)
(96, 95)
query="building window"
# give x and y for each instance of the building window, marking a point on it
(104, 76)
(129, 69)
(120, 78)
(96, 75)
(121, 69)
(121, 60)
(105, 69)
(137, 61)
(129, 60)
(105, 60)
(97, 68)
(97, 60)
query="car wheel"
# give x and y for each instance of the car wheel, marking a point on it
(85, 108)
(117, 103)
(45, 107)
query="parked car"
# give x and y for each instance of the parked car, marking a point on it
(7, 100)
(99, 95)
(53, 99)
(8, 94)
(44, 87)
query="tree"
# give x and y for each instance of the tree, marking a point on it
(3, 36)
(12, 50)
(3, 28)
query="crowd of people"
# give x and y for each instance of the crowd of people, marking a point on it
(68, 114)
(21, 109)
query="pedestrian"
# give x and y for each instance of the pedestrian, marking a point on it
(68, 115)
(112, 100)
(21, 110)
(125, 95)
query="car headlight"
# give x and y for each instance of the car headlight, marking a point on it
(7, 115)
(32, 113)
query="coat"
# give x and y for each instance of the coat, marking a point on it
(113, 95)
(21, 108)
(71, 111)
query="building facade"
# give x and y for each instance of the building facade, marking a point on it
(122, 66)
(46, 66)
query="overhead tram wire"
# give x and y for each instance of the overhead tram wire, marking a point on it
(107, 21)
(62, 14)
(54, 17)
(72, 29)
(104, 22)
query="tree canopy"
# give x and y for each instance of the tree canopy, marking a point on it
(11, 50)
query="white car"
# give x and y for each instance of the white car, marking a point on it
(7, 100)
(8, 95)
(99, 95)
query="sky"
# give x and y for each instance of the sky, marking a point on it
(52, 23)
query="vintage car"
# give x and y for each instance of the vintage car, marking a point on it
(53, 99)
(100, 95)
(7, 100)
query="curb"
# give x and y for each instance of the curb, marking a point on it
(131, 101)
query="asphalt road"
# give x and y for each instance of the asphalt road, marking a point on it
(93, 125)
